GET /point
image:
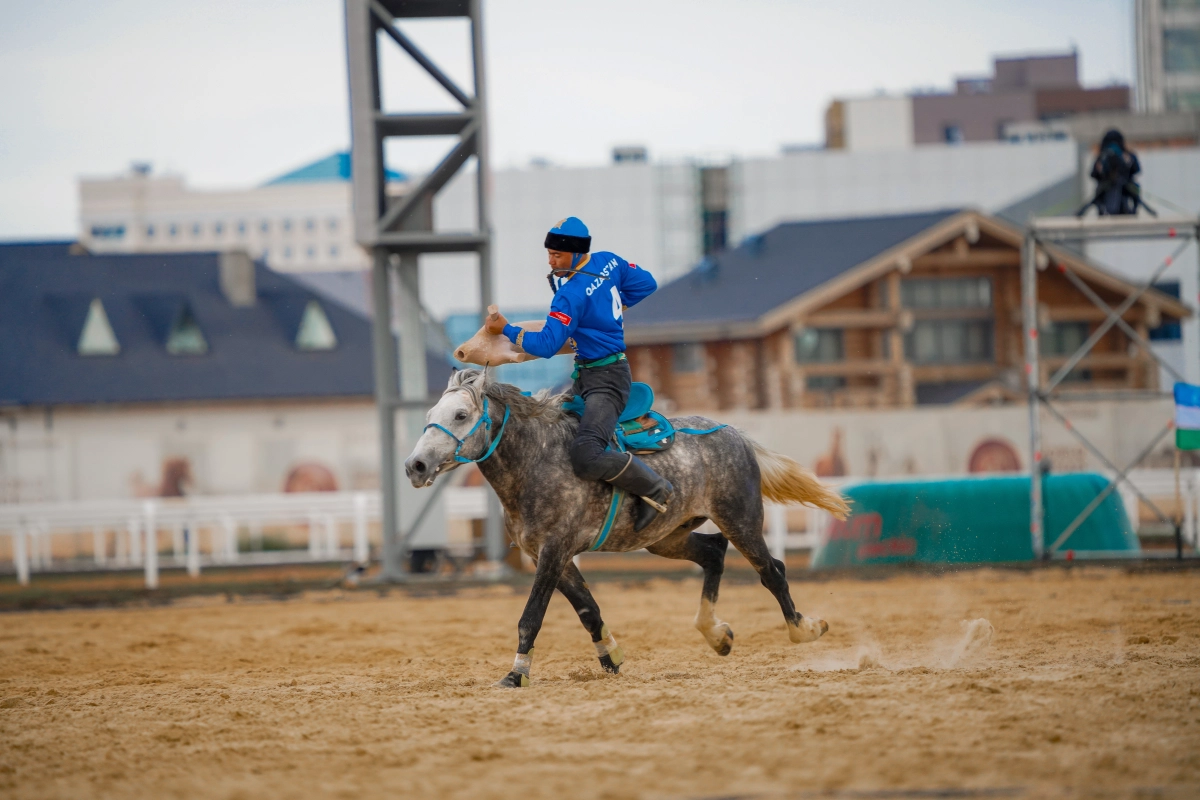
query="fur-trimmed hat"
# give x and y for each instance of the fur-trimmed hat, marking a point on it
(569, 236)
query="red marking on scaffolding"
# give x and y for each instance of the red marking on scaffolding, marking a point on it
(1033, 333)
(1067, 424)
(1037, 456)
(1070, 555)
(1062, 268)
(1168, 261)
(1029, 369)
(1170, 232)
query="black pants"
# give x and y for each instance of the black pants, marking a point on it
(605, 391)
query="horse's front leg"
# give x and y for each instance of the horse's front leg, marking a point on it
(550, 564)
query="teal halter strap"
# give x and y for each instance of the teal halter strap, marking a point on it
(484, 420)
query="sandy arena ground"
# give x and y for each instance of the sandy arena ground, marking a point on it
(1090, 686)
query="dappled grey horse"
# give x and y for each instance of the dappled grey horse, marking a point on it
(520, 443)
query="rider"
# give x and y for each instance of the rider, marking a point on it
(591, 291)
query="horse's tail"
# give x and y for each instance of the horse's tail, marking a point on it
(785, 481)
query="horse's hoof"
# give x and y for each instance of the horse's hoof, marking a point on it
(610, 666)
(725, 646)
(513, 680)
(807, 630)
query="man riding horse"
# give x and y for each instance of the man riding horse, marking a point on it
(591, 291)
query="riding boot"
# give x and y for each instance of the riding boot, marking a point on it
(651, 491)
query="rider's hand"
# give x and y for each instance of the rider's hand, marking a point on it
(495, 321)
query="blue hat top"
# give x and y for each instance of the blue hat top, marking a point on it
(571, 226)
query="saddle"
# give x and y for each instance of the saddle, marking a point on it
(640, 429)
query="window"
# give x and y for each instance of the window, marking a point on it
(333, 251)
(949, 341)
(97, 337)
(108, 231)
(241, 227)
(312, 252)
(186, 338)
(315, 332)
(946, 293)
(264, 226)
(1182, 100)
(333, 223)
(149, 231)
(287, 252)
(819, 345)
(218, 228)
(174, 230)
(310, 225)
(1169, 330)
(824, 383)
(715, 230)
(688, 357)
(1181, 50)
(195, 229)
(287, 226)
(1063, 338)
(952, 134)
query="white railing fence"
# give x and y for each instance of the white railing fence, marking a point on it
(206, 531)
(201, 531)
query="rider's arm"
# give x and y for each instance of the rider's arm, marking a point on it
(636, 284)
(560, 323)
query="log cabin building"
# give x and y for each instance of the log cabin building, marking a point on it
(881, 312)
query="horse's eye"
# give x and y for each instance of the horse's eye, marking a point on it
(460, 416)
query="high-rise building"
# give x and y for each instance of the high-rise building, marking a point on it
(1168, 55)
(1028, 89)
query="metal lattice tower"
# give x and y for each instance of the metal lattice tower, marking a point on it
(1038, 252)
(398, 230)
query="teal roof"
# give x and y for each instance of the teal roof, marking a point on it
(335, 167)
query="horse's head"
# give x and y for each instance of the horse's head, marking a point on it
(456, 430)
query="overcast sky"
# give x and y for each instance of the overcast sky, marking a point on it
(232, 92)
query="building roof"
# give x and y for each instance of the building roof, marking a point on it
(335, 167)
(773, 279)
(251, 352)
(768, 269)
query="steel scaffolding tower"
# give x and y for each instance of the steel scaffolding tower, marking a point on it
(1038, 253)
(398, 230)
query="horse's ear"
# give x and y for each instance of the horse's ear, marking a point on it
(484, 375)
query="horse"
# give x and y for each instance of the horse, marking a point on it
(520, 444)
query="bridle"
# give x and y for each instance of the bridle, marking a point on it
(484, 420)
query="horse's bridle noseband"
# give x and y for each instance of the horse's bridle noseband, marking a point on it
(484, 420)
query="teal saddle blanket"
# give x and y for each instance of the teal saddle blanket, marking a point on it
(639, 429)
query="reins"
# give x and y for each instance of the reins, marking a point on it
(486, 420)
(574, 272)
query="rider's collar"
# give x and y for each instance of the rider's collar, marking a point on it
(574, 268)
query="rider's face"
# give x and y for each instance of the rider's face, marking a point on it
(558, 260)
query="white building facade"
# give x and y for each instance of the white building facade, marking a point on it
(293, 225)
(649, 213)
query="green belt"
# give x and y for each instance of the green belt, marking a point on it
(599, 362)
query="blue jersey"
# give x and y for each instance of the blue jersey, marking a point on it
(587, 311)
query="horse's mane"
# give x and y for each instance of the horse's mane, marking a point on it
(541, 405)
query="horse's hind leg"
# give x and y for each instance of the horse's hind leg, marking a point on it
(707, 550)
(746, 536)
(575, 589)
